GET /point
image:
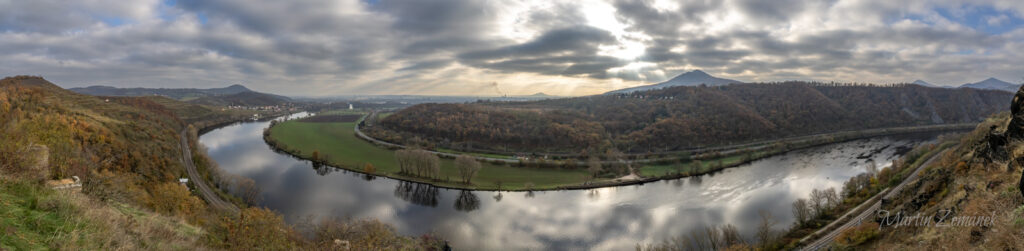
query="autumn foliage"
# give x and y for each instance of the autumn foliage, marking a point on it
(127, 151)
(683, 117)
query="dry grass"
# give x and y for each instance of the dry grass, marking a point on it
(125, 227)
(981, 187)
(36, 217)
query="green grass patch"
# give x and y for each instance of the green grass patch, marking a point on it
(343, 112)
(33, 218)
(488, 155)
(690, 168)
(338, 143)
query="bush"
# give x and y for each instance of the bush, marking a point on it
(857, 235)
(256, 229)
(174, 199)
(366, 235)
(369, 168)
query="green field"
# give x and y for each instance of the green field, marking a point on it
(689, 168)
(488, 155)
(342, 112)
(338, 143)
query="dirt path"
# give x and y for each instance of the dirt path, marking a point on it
(825, 241)
(205, 191)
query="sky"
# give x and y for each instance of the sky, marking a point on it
(489, 48)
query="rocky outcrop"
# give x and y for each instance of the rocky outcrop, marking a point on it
(995, 150)
(1015, 130)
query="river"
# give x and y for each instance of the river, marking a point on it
(613, 218)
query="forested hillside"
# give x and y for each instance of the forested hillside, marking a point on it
(232, 95)
(174, 93)
(971, 200)
(242, 99)
(126, 151)
(684, 117)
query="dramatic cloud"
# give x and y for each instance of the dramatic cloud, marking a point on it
(465, 46)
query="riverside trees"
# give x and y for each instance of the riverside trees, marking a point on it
(467, 166)
(419, 163)
(680, 118)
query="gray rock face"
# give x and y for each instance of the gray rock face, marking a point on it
(1016, 128)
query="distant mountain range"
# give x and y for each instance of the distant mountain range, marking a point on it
(231, 95)
(925, 84)
(692, 78)
(993, 84)
(243, 99)
(698, 77)
(987, 84)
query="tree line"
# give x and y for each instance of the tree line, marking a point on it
(680, 118)
(425, 164)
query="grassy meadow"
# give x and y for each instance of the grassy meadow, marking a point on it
(336, 141)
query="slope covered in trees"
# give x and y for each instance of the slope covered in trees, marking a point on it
(231, 95)
(242, 99)
(126, 152)
(682, 118)
(970, 200)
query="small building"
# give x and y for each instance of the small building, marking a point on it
(183, 181)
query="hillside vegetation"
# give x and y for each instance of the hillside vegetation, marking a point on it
(680, 118)
(335, 144)
(126, 151)
(242, 99)
(971, 200)
(234, 95)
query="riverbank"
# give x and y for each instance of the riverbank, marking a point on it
(337, 146)
(341, 145)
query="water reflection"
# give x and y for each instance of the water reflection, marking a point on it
(416, 193)
(467, 201)
(322, 169)
(603, 219)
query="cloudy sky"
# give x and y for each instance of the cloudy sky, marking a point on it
(481, 47)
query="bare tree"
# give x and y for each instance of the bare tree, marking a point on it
(818, 202)
(801, 211)
(765, 234)
(418, 163)
(698, 240)
(404, 159)
(594, 166)
(248, 189)
(467, 166)
(832, 197)
(731, 236)
(714, 238)
(616, 162)
(696, 166)
(429, 164)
